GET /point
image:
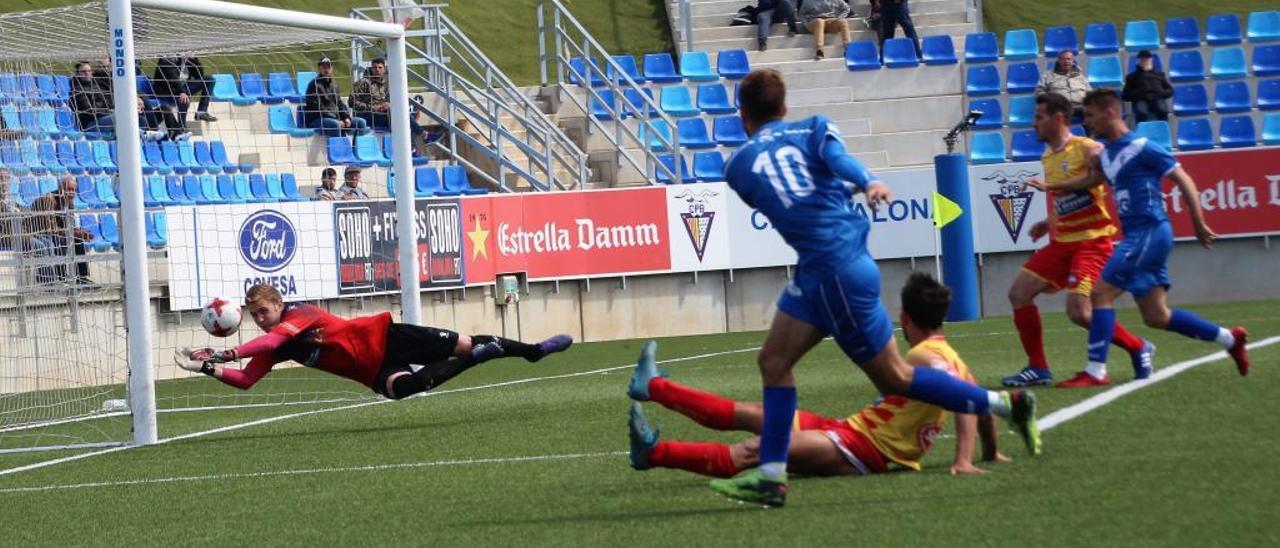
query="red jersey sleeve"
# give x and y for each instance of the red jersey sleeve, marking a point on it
(258, 367)
(296, 319)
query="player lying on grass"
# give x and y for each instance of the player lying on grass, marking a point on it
(395, 360)
(895, 430)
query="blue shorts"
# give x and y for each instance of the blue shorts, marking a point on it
(1140, 262)
(845, 305)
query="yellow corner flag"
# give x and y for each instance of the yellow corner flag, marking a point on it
(944, 211)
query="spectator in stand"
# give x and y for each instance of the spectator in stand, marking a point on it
(351, 185)
(766, 11)
(369, 97)
(13, 231)
(1147, 88)
(52, 223)
(328, 189)
(823, 16)
(1066, 79)
(323, 108)
(176, 81)
(893, 14)
(94, 104)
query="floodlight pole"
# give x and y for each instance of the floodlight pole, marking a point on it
(402, 164)
(137, 302)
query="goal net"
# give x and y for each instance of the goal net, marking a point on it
(240, 182)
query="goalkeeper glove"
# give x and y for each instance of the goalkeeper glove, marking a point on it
(202, 360)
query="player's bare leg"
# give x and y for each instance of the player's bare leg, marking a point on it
(1158, 315)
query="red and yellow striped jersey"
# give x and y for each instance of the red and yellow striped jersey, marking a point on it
(901, 428)
(1078, 215)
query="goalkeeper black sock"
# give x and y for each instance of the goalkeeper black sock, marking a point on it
(430, 376)
(511, 347)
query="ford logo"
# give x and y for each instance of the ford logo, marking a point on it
(267, 241)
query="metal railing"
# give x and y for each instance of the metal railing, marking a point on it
(473, 89)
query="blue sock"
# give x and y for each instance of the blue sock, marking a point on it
(941, 389)
(779, 414)
(1190, 325)
(1101, 329)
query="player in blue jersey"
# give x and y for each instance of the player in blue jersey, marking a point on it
(1135, 167)
(799, 176)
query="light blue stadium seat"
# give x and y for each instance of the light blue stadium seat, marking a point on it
(204, 155)
(638, 106)
(1264, 26)
(282, 120)
(980, 47)
(1228, 63)
(1139, 35)
(1058, 39)
(1237, 132)
(900, 53)
(938, 50)
(342, 153)
(1021, 78)
(666, 176)
(1021, 44)
(258, 189)
(84, 157)
(48, 90)
(106, 191)
(49, 158)
(86, 192)
(659, 138)
(154, 193)
(1186, 66)
(240, 183)
(194, 192)
(660, 69)
(252, 86)
(369, 149)
(986, 148)
(693, 134)
(1229, 97)
(678, 101)
(695, 66)
(606, 107)
(28, 190)
(68, 126)
(274, 189)
(629, 68)
(982, 80)
(1157, 131)
(1266, 61)
(157, 230)
(66, 153)
(1223, 30)
(1104, 71)
(1101, 38)
(708, 166)
(280, 85)
(153, 159)
(225, 90)
(1194, 134)
(289, 184)
(178, 192)
(578, 70)
(48, 122)
(1190, 100)
(862, 55)
(1026, 147)
(110, 229)
(187, 154)
(992, 113)
(89, 222)
(304, 79)
(1022, 111)
(1269, 94)
(714, 99)
(455, 179)
(729, 132)
(169, 151)
(1271, 129)
(1182, 32)
(733, 64)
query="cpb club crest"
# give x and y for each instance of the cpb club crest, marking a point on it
(697, 220)
(1013, 201)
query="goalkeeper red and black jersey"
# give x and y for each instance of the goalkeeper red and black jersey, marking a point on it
(349, 348)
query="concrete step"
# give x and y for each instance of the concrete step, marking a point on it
(890, 116)
(804, 42)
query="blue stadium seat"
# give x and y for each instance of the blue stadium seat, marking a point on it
(368, 149)
(992, 113)
(1156, 61)
(225, 90)
(695, 66)
(281, 120)
(1271, 129)
(280, 86)
(169, 151)
(1223, 30)
(87, 193)
(678, 101)
(714, 99)
(900, 53)
(240, 184)
(982, 80)
(63, 85)
(106, 190)
(388, 149)
(1228, 63)
(28, 190)
(629, 68)
(1266, 61)
(426, 182)
(9, 86)
(1186, 66)
(1022, 111)
(104, 154)
(49, 158)
(1104, 71)
(1139, 35)
(68, 126)
(862, 55)
(27, 87)
(606, 107)
(153, 159)
(1194, 134)
(1021, 78)
(289, 184)
(11, 157)
(177, 192)
(48, 183)
(1078, 130)
(157, 230)
(258, 189)
(9, 113)
(660, 69)
(980, 47)
(1101, 38)
(1269, 94)
(1229, 97)
(1157, 131)
(1190, 100)
(89, 222)
(708, 166)
(48, 122)
(1237, 132)
(341, 152)
(693, 134)
(638, 105)
(252, 86)
(578, 70)
(455, 179)
(192, 189)
(66, 153)
(1021, 44)
(110, 229)
(274, 188)
(210, 188)
(938, 50)
(1058, 39)
(204, 156)
(187, 155)
(31, 157)
(986, 148)
(660, 138)
(729, 132)
(733, 64)
(1026, 146)
(154, 193)
(666, 176)
(1264, 26)
(85, 158)
(219, 158)
(1182, 32)
(304, 80)
(48, 90)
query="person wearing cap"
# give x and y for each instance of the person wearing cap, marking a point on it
(328, 189)
(351, 185)
(1066, 79)
(1147, 88)
(324, 109)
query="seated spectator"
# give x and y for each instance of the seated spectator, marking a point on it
(1147, 88)
(766, 11)
(369, 97)
(328, 189)
(94, 104)
(1066, 79)
(893, 14)
(52, 223)
(323, 108)
(176, 81)
(13, 234)
(351, 185)
(823, 16)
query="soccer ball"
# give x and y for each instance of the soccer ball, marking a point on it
(221, 317)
